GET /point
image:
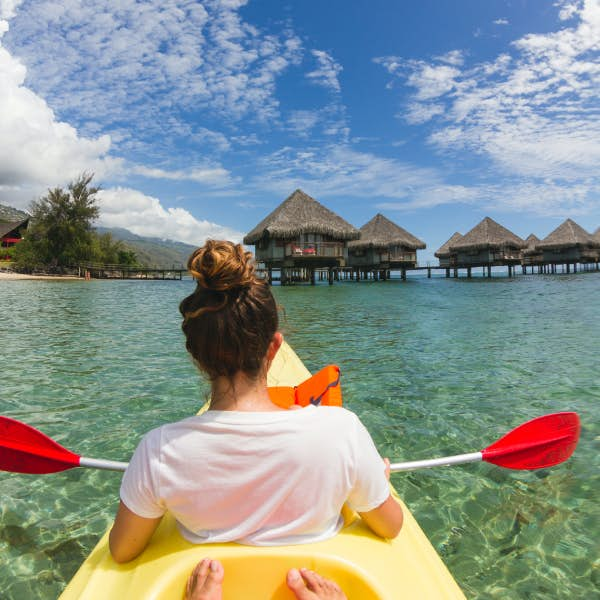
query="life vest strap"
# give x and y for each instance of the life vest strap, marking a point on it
(323, 388)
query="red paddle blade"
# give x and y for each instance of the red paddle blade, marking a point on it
(24, 449)
(542, 442)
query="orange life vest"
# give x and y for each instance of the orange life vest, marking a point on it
(323, 388)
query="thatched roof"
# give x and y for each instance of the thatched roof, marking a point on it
(488, 234)
(532, 241)
(380, 232)
(297, 214)
(567, 235)
(596, 235)
(8, 227)
(444, 249)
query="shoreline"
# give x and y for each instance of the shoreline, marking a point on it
(6, 276)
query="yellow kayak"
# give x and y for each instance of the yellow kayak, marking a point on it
(364, 565)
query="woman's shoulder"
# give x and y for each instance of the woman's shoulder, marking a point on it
(336, 414)
(155, 435)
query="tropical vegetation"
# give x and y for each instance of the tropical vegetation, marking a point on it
(61, 235)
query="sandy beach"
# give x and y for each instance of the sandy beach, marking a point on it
(9, 276)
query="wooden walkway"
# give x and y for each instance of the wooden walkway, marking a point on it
(99, 271)
(305, 275)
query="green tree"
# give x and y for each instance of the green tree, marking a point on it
(107, 250)
(60, 233)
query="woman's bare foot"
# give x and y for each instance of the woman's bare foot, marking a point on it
(206, 581)
(308, 585)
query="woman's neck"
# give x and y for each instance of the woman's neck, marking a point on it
(241, 393)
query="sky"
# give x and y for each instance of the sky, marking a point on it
(200, 117)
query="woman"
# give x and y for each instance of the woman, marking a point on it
(247, 470)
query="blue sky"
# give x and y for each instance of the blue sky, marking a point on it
(198, 118)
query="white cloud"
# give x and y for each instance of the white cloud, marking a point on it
(8, 9)
(133, 61)
(435, 194)
(454, 57)
(340, 170)
(208, 175)
(532, 114)
(336, 171)
(144, 215)
(432, 81)
(417, 113)
(303, 121)
(327, 71)
(567, 9)
(215, 139)
(37, 149)
(548, 199)
(501, 22)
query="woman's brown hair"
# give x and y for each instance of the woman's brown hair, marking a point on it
(231, 318)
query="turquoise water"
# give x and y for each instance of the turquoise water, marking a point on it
(433, 367)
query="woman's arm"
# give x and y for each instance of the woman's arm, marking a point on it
(130, 534)
(385, 520)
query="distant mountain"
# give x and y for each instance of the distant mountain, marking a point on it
(152, 251)
(8, 214)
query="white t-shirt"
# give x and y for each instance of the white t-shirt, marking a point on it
(262, 478)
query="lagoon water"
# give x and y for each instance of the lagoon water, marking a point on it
(432, 367)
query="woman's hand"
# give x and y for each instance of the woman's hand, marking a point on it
(386, 462)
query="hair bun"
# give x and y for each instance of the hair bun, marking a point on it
(222, 266)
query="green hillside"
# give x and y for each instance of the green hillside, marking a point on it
(8, 214)
(151, 251)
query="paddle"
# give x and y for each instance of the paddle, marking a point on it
(24, 449)
(539, 443)
(542, 442)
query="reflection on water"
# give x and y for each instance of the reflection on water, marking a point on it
(433, 367)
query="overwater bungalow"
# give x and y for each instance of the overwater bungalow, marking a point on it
(447, 258)
(301, 236)
(532, 255)
(382, 247)
(569, 244)
(488, 244)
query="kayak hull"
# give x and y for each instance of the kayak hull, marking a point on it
(364, 565)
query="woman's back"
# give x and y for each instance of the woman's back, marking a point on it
(278, 477)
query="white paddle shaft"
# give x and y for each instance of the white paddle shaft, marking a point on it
(458, 459)
(444, 461)
(99, 463)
